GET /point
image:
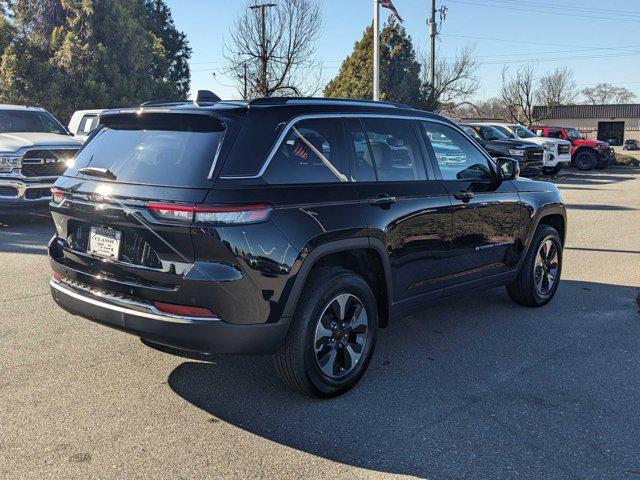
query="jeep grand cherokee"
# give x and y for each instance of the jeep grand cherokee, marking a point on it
(292, 227)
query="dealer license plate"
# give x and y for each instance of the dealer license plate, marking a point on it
(104, 242)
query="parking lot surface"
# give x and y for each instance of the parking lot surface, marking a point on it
(474, 387)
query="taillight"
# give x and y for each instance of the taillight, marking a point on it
(57, 195)
(184, 310)
(228, 215)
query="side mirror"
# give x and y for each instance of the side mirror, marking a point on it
(508, 168)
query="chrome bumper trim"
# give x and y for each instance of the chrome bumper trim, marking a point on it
(22, 188)
(123, 305)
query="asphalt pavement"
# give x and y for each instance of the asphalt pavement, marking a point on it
(474, 387)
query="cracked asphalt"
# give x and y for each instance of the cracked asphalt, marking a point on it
(474, 387)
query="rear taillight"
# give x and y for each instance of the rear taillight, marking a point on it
(227, 215)
(184, 310)
(57, 195)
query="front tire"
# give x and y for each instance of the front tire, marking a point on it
(332, 334)
(539, 275)
(551, 170)
(586, 160)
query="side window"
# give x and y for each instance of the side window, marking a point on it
(87, 124)
(363, 169)
(457, 157)
(313, 151)
(555, 134)
(393, 150)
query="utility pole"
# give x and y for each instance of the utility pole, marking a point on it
(262, 82)
(244, 92)
(376, 50)
(432, 57)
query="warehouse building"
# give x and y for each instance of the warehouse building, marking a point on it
(609, 123)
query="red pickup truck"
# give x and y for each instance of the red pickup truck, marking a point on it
(585, 154)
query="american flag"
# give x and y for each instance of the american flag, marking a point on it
(389, 4)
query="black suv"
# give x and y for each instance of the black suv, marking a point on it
(293, 227)
(530, 155)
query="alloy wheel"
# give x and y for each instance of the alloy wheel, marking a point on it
(546, 267)
(341, 335)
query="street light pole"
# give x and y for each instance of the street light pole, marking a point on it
(432, 57)
(376, 50)
(262, 82)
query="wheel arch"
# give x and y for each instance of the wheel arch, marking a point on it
(365, 256)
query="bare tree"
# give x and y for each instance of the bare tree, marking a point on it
(455, 80)
(557, 88)
(518, 93)
(273, 47)
(605, 93)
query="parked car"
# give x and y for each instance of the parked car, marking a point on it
(630, 144)
(34, 149)
(497, 144)
(557, 152)
(83, 122)
(585, 154)
(269, 227)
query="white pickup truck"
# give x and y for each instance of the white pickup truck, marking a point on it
(34, 151)
(557, 152)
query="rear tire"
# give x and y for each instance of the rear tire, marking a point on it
(539, 275)
(551, 170)
(586, 160)
(332, 334)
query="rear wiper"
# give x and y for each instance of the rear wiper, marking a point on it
(97, 172)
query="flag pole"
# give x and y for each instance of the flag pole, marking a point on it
(376, 51)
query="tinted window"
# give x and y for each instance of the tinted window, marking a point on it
(456, 156)
(555, 134)
(29, 121)
(155, 149)
(393, 149)
(491, 133)
(364, 171)
(313, 151)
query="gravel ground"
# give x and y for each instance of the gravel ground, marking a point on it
(475, 387)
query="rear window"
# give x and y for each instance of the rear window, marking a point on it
(154, 148)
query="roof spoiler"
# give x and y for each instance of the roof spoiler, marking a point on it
(202, 96)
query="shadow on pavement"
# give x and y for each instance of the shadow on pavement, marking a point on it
(594, 177)
(28, 233)
(477, 387)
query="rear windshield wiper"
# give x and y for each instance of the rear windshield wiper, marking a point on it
(97, 172)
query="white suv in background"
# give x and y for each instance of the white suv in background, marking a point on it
(557, 152)
(83, 122)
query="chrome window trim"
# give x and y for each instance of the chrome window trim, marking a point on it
(215, 157)
(315, 116)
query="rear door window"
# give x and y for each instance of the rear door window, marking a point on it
(313, 151)
(155, 148)
(393, 149)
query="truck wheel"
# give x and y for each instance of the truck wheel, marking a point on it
(539, 275)
(586, 160)
(332, 334)
(551, 170)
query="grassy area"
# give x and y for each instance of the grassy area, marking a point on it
(626, 160)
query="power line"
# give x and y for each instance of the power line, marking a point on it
(527, 42)
(573, 15)
(555, 6)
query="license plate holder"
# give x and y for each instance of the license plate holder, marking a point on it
(104, 243)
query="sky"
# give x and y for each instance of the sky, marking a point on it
(598, 40)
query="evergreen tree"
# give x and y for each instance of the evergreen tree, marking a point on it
(67, 55)
(399, 70)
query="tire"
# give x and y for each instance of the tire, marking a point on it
(586, 160)
(526, 289)
(551, 170)
(307, 343)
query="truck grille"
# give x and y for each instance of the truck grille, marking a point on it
(37, 193)
(46, 163)
(564, 149)
(8, 192)
(134, 249)
(534, 155)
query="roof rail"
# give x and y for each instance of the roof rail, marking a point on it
(159, 103)
(323, 101)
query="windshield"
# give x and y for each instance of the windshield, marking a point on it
(504, 130)
(573, 134)
(22, 121)
(154, 149)
(471, 132)
(523, 132)
(492, 133)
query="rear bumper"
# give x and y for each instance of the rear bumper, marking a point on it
(210, 335)
(17, 196)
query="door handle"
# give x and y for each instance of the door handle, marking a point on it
(464, 196)
(382, 200)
